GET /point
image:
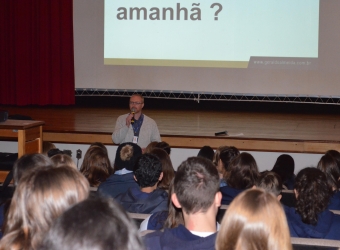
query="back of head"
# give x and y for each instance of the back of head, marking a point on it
(227, 155)
(147, 170)
(167, 168)
(271, 182)
(96, 166)
(28, 162)
(63, 160)
(284, 167)
(254, 220)
(196, 183)
(126, 155)
(243, 172)
(40, 197)
(150, 147)
(164, 145)
(206, 152)
(94, 224)
(329, 167)
(336, 156)
(47, 146)
(313, 194)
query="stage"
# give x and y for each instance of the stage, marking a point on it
(252, 131)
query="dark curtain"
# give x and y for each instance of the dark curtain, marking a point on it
(36, 52)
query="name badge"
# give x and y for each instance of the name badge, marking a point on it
(135, 139)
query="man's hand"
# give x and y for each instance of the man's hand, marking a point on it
(128, 119)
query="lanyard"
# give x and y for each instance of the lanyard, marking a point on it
(137, 125)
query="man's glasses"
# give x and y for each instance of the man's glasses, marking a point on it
(136, 103)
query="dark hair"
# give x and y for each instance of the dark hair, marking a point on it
(126, 155)
(206, 152)
(228, 154)
(29, 162)
(96, 223)
(243, 172)
(164, 145)
(336, 155)
(329, 167)
(147, 170)
(284, 167)
(196, 183)
(167, 168)
(96, 166)
(313, 194)
(175, 214)
(271, 182)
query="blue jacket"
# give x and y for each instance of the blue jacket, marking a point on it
(334, 202)
(229, 193)
(327, 227)
(178, 238)
(117, 184)
(136, 201)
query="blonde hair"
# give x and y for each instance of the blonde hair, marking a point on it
(255, 220)
(40, 197)
(63, 160)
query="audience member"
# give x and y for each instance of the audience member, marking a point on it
(310, 218)
(206, 152)
(122, 179)
(242, 174)
(336, 156)
(284, 167)
(165, 146)
(96, 223)
(63, 160)
(96, 166)
(329, 167)
(40, 197)
(150, 147)
(47, 146)
(270, 182)
(226, 155)
(196, 192)
(167, 168)
(254, 220)
(147, 198)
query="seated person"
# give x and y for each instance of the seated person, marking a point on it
(206, 152)
(196, 193)
(96, 223)
(223, 158)
(122, 178)
(329, 167)
(310, 218)
(147, 198)
(254, 220)
(242, 174)
(284, 167)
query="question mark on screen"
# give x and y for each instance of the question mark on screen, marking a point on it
(217, 11)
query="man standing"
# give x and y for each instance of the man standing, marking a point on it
(136, 127)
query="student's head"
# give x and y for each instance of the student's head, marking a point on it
(96, 223)
(226, 155)
(284, 167)
(167, 168)
(99, 144)
(126, 155)
(96, 166)
(206, 152)
(312, 194)
(150, 147)
(47, 146)
(336, 156)
(165, 146)
(271, 182)
(148, 170)
(196, 185)
(28, 162)
(40, 197)
(175, 215)
(254, 220)
(63, 160)
(329, 167)
(243, 172)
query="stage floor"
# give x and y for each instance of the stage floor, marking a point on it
(257, 131)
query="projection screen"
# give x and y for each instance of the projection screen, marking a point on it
(242, 47)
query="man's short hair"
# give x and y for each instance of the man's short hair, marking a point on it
(139, 96)
(271, 182)
(147, 170)
(195, 185)
(96, 223)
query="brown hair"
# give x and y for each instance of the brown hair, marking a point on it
(254, 220)
(271, 182)
(63, 160)
(40, 197)
(243, 172)
(167, 168)
(96, 166)
(329, 167)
